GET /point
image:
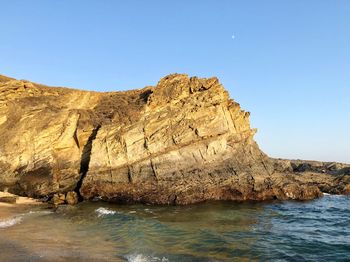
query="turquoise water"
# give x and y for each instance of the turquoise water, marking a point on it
(316, 230)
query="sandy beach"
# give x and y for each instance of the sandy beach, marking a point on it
(18, 200)
(11, 205)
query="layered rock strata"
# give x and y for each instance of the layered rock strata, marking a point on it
(182, 141)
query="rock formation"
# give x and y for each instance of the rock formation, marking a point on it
(182, 141)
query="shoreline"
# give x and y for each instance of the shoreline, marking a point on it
(11, 206)
(11, 200)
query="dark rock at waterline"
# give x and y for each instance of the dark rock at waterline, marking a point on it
(8, 199)
(180, 142)
(70, 198)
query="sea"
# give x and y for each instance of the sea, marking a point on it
(317, 230)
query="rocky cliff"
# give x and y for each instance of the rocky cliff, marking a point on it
(182, 141)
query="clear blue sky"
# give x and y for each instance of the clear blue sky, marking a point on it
(288, 64)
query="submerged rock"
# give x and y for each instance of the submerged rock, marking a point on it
(182, 141)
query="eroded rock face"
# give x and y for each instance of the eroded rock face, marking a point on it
(182, 141)
(42, 135)
(188, 142)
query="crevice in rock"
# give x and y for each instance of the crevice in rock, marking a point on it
(154, 170)
(75, 137)
(85, 159)
(129, 175)
(174, 200)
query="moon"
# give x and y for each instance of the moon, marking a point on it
(233, 36)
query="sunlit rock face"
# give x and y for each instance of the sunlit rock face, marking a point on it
(188, 142)
(182, 141)
(42, 134)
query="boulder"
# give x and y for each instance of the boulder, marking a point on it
(72, 198)
(8, 199)
(58, 199)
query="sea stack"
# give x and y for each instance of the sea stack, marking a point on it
(182, 141)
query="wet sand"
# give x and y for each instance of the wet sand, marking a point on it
(6, 209)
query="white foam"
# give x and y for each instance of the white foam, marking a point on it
(41, 212)
(148, 211)
(144, 258)
(137, 258)
(101, 211)
(10, 222)
(333, 195)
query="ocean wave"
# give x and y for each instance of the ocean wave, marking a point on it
(10, 222)
(101, 211)
(19, 217)
(145, 258)
(334, 195)
(43, 212)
